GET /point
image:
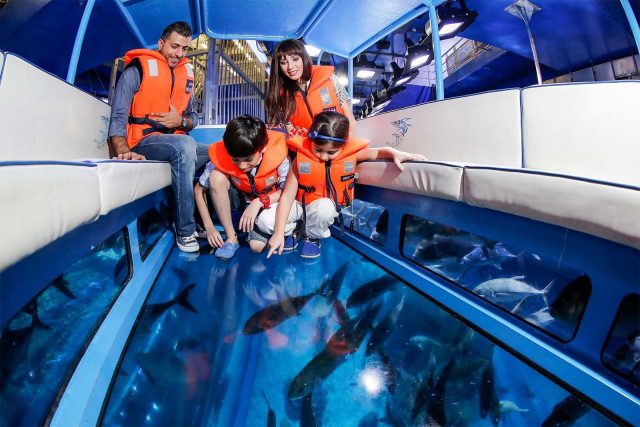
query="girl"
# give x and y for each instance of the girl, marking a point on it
(321, 179)
(298, 90)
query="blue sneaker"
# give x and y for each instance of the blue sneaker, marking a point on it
(310, 248)
(227, 251)
(290, 243)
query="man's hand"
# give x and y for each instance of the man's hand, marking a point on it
(172, 119)
(130, 155)
(121, 151)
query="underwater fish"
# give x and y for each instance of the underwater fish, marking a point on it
(273, 315)
(369, 420)
(489, 401)
(162, 368)
(62, 285)
(344, 341)
(382, 330)
(506, 406)
(506, 290)
(565, 413)
(371, 290)
(181, 299)
(307, 417)
(570, 304)
(271, 415)
(435, 408)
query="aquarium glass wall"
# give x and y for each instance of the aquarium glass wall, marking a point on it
(335, 341)
(41, 345)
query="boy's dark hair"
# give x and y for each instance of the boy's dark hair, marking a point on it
(179, 27)
(244, 136)
(331, 124)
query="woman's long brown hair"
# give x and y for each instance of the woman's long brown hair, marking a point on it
(281, 97)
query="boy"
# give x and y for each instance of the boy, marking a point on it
(255, 161)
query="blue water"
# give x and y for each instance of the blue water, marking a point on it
(193, 359)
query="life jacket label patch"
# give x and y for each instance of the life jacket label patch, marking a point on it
(304, 168)
(329, 109)
(325, 96)
(270, 181)
(236, 181)
(189, 87)
(153, 68)
(349, 166)
(344, 178)
(189, 68)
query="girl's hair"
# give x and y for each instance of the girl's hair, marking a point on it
(281, 98)
(329, 124)
(244, 136)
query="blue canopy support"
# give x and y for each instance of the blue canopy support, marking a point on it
(130, 23)
(317, 17)
(633, 22)
(350, 75)
(77, 45)
(437, 53)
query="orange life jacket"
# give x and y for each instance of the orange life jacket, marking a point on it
(321, 96)
(160, 86)
(266, 179)
(312, 172)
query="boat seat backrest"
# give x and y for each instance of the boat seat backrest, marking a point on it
(44, 118)
(483, 128)
(587, 129)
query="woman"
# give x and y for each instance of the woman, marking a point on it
(299, 90)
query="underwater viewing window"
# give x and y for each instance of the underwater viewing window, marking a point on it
(367, 219)
(151, 226)
(41, 344)
(543, 292)
(622, 349)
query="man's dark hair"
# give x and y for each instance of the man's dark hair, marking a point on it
(179, 27)
(244, 136)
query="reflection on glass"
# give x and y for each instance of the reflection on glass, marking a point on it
(151, 225)
(367, 219)
(622, 350)
(334, 342)
(41, 343)
(545, 293)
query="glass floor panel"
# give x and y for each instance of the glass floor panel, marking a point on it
(334, 341)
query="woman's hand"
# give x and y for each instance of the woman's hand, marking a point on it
(276, 244)
(248, 218)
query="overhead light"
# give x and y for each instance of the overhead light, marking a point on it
(355, 101)
(399, 77)
(312, 50)
(417, 56)
(343, 80)
(451, 20)
(365, 69)
(365, 74)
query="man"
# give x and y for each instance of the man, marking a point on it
(151, 113)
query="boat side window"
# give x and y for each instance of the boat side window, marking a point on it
(151, 226)
(546, 294)
(367, 219)
(621, 352)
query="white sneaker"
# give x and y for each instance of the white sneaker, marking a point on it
(188, 243)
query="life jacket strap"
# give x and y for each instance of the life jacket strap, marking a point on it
(155, 126)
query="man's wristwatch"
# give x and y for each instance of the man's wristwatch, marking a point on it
(183, 125)
(266, 201)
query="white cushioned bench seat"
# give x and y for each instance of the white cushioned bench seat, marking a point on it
(437, 179)
(42, 201)
(123, 182)
(607, 210)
